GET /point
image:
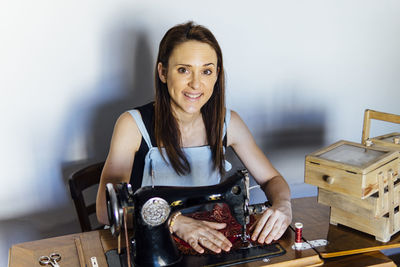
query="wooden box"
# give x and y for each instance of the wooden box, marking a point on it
(360, 184)
(374, 215)
(370, 207)
(351, 169)
(383, 228)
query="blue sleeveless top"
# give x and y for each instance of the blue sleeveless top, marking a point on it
(157, 171)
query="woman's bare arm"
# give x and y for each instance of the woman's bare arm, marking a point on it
(275, 220)
(125, 143)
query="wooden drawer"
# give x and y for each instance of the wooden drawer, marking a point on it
(370, 207)
(351, 169)
(382, 228)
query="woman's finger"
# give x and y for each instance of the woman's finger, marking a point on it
(205, 242)
(195, 245)
(219, 240)
(280, 232)
(217, 237)
(268, 226)
(274, 231)
(255, 223)
(215, 225)
(260, 225)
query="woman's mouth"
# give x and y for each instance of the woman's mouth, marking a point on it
(193, 96)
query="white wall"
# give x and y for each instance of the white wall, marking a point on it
(68, 68)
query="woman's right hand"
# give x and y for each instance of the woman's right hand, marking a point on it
(199, 234)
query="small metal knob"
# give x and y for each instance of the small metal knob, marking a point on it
(396, 140)
(368, 143)
(328, 179)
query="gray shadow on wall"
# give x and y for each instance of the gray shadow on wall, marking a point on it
(296, 129)
(297, 134)
(137, 89)
(127, 82)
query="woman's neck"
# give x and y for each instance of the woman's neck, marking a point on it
(186, 120)
(192, 128)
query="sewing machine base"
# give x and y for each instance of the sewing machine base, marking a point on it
(223, 259)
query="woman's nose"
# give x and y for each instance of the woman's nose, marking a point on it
(195, 81)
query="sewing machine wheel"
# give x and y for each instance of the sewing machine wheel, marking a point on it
(115, 212)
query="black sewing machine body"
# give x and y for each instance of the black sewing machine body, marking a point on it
(153, 206)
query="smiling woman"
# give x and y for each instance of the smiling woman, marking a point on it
(190, 76)
(180, 139)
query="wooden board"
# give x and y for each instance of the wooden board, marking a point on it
(375, 258)
(315, 217)
(27, 254)
(96, 243)
(386, 141)
(342, 240)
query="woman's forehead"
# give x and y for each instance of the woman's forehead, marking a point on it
(193, 53)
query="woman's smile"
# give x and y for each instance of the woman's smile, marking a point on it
(191, 75)
(193, 97)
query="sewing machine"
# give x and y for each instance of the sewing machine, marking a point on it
(152, 207)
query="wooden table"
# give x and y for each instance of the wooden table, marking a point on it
(315, 218)
(342, 240)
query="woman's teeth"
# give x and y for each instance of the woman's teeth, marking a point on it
(193, 96)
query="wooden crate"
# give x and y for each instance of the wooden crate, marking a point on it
(351, 169)
(382, 228)
(370, 207)
(360, 182)
(377, 215)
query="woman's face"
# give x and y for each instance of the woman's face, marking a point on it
(191, 76)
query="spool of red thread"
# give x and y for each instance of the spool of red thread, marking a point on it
(299, 232)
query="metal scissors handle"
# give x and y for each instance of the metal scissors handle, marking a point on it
(52, 260)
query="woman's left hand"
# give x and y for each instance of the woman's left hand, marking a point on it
(273, 223)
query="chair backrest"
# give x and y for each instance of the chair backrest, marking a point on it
(78, 182)
(376, 115)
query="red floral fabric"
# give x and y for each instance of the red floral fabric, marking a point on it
(220, 213)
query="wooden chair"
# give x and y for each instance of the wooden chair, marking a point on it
(376, 115)
(78, 182)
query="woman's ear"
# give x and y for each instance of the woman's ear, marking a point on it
(161, 72)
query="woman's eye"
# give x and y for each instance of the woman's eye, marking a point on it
(182, 70)
(207, 72)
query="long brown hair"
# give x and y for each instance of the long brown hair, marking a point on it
(166, 127)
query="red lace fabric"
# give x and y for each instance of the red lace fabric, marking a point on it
(220, 213)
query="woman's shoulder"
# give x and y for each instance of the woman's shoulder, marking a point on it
(234, 116)
(126, 122)
(145, 112)
(237, 129)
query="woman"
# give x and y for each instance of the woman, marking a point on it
(180, 139)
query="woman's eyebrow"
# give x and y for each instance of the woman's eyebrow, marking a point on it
(208, 64)
(188, 65)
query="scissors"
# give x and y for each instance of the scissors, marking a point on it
(50, 260)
